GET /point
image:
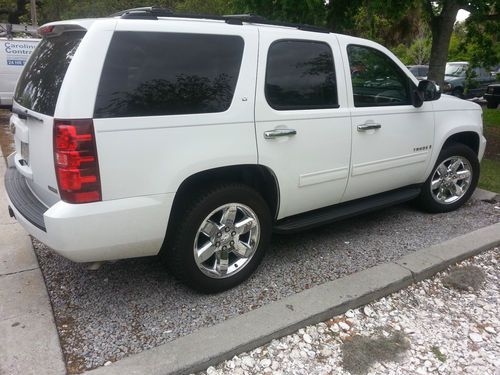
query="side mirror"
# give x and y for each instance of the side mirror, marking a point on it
(426, 91)
(429, 90)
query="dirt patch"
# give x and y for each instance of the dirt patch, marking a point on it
(360, 352)
(465, 278)
(6, 138)
(493, 146)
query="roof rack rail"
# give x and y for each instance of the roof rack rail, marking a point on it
(144, 13)
(152, 13)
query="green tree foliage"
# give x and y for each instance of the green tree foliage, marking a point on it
(418, 53)
(441, 15)
(417, 30)
(51, 10)
(483, 40)
(11, 11)
(298, 11)
(219, 7)
(391, 22)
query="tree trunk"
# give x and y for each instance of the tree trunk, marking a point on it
(442, 28)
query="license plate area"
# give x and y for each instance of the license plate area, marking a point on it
(25, 152)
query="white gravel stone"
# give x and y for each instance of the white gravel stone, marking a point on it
(344, 326)
(476, 337)
(490, 329)
(368, 311)
(248, 361)
(335, 328)
(307, 338)
(454, 333)
(266, 362)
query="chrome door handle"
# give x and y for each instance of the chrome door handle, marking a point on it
(364, 127)
(270, 134)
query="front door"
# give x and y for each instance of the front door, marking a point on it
(391, 139)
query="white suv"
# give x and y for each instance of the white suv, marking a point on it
(194, 138)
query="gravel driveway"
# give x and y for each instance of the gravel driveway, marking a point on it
(436, 329)
(132, 305)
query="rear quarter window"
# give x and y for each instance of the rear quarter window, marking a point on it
(152, 74)
(39, 84)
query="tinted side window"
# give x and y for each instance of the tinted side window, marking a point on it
(376, 79)
(39, 84)
(152, 74)
(300, 75)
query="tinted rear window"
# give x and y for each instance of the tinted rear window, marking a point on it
(150, 73)
(39, 84)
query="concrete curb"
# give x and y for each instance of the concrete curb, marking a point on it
(211, 345)
(484, 195)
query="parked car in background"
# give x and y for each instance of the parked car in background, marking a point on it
(492, 95)
(495, 73)
(419, 71)
(150, 133)
(455, 80)
(13, 56)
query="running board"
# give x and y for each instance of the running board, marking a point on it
(345, 210)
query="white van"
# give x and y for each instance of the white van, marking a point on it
(13, 56)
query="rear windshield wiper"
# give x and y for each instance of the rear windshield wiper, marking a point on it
(24, 114)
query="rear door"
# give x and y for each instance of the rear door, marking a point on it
(302, 121)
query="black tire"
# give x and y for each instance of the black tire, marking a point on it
(180, 258)
(426, 200)
(491, 104)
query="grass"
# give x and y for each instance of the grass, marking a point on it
(361, 352)
(491, 118)
(465, 278)
(490, 165)
(490, 175)
(440, 356)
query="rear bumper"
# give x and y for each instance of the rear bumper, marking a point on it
(23, 199)
(108, 230)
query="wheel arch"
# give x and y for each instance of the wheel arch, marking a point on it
(259, 177)
(468, 138)
(469, 135)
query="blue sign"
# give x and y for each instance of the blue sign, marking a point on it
(15, 62)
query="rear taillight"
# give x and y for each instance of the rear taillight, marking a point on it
(75, 160)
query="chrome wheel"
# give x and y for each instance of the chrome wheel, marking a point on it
(226, 240)
(451, 180)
